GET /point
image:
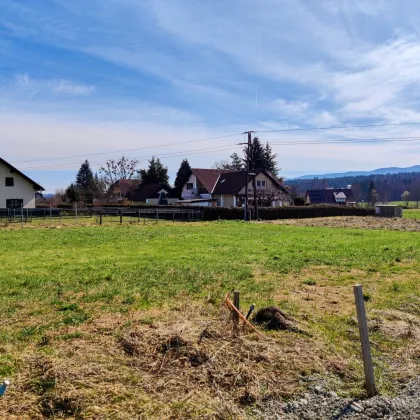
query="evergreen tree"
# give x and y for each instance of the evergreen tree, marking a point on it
(236, 162)
(85, 178)
(182, 176)
(270, 159)
(256, 156)
(72, 194)
(85, 182)
(156, 173)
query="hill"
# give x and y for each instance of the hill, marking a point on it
(380, 171)
(390, 186)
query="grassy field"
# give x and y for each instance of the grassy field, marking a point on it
(85, 310)
(412, 204)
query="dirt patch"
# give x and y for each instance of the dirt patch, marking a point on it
(354, 222)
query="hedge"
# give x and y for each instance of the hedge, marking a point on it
(295, 212)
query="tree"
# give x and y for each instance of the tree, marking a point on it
(373, 197)
(116, 169)
(236, 162)
(405, 197)
(72, 194)
(182, 177)
(256, 155)
(221, 164)
(261, 158)
(270, 159)
(156, 173)
(84, 178)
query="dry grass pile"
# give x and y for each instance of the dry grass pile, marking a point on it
(178, 365)
(355, 222)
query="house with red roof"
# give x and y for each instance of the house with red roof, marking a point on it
(227, 188)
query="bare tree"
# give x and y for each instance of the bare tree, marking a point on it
(405, 197)
(116, 169)
(266, 196)
(221, 164)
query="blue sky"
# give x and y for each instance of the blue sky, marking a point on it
(84, 77)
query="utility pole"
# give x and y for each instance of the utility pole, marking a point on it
(248, 154)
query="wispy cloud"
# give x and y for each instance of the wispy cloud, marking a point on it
(52, 86)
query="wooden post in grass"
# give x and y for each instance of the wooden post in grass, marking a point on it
(138, 215)
(75, 207)
(364, 340)
(235, 314)
(100, 217)
(50, 215)
(120, 217)
(21, 215)
(173, 216)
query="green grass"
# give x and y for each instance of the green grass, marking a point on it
(411, 213)
(58, 280)
(412, 204)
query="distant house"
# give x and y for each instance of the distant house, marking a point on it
(16, 189)
(153, 194)
(121, 189)
(336, 196)
(227, 188)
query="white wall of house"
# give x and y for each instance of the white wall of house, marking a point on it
(261, 177)
(188, 194)
(21, 190)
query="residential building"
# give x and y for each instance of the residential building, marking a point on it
(16, 189)
(227, 188)
(153, 194)
(120, 190)
(335, 196)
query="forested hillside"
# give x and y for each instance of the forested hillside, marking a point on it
(389, 187)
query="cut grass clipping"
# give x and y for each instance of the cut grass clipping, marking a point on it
(129, 321)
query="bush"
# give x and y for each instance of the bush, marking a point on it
(299, 201)
(274, 213)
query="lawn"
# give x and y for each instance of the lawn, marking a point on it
(70, 296)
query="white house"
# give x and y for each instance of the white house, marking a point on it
(227, 188)
(16, 189)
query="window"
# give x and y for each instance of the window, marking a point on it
(260, 184)
(14, 203)
(190, 186)
(10, 182)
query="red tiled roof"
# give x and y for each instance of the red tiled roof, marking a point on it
(208, 177)
(127, 185)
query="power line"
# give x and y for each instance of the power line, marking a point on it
(166, 155)
(128, 150)
(337, 127)
(232, 146)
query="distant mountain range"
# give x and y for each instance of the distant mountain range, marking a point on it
(380, 171)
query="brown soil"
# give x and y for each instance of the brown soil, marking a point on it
(355, 222)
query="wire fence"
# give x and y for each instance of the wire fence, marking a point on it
(98, 216)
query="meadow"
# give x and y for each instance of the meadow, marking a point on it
(84, 309)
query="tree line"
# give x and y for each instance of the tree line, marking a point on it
(89, 187)
(390, 187)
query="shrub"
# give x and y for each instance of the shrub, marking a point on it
(299, 201)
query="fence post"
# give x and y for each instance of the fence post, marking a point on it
(173, 216)
(21, 215)
(157, 215)
(120, 216)
(364, 340)
(50, 216)
(76, 213)
(235, 314)
(100, 217)
(45, 214)
(138, 216)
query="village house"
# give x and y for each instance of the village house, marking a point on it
(331, 196)
(226, 188)
(16, 189)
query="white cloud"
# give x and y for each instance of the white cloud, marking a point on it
(51, 86)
